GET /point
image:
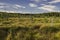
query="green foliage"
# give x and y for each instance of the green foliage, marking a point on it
(27, 33)
(15, 26)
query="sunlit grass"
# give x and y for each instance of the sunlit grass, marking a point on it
(30, 27)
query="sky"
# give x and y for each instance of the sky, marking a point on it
(30, 6)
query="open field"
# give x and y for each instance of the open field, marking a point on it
(28, 22)
(15, 26)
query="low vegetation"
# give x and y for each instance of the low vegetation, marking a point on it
(17, 26)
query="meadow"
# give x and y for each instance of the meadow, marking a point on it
(18, 26)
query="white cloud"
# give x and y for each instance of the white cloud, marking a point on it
(11, 11)
(54, 1)
(48, 7)
(19, 6)
(36, 0)
(32, 5)
(42, 4)
(10, 7)
(44, 0)
(3, 5)
(16, 6)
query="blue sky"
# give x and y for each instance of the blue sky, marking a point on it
(30, 6)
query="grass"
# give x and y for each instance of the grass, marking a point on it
(15, 26)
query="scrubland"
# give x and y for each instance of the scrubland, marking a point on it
(17, 26)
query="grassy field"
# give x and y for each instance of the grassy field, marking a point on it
(17, 26)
